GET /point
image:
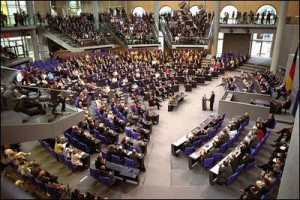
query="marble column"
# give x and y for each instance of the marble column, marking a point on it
(216, 28)
(156, 14)
(96, 14)
(279, 33)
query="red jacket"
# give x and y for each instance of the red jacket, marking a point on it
(260, 134)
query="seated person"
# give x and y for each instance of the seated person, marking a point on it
(99, 161)
(234, 162)
(270, 121)
(285, 134)
(58, 147)
(224, 171)
(45, 176)
(57, 186)
(134, 156)
(76, 158)
(106, 172)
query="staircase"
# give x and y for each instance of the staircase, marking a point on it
(108, 29)
(205, 61)
(251, 68)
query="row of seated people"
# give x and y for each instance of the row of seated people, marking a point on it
(117, 154)
(250, 144)
(74, 158)
(223, 136)
(212, 126)
(32, 171)
(72, 25)
(76, 194)
(272, 170)
(270, 83)
(132, 27)
(187, 25)
(249, 147)
(100, 66)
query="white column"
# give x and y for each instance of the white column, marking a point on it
(289, 186)
(30, 12)
(35, 45)
(156, 14)
(96, 14)
(279, 34)
(216, 28)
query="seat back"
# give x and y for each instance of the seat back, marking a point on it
(230, 143)
(106, 181)
(208, 162)
(104, 154)
(116, 159)
(231, 178)
(53, 192)
(223, 148)
(94, 173)
(129, 162)
(189, 150)
(40, 184)
(250, 165)
(239, 169)
(217, 156)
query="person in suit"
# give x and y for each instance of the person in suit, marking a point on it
(224, 172)
(211, 101)
(285, 134)
(234, 162)
(270, 121)
(104, 172)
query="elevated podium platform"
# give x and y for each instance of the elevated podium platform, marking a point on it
(18, 127)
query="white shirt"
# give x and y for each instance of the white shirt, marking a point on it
(19, 77)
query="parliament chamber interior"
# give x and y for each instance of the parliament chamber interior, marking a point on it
(149, 99)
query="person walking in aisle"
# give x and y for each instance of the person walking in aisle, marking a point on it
(211, 101)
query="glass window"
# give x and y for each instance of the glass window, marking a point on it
(22, 3)
(221, 35)
(11, 3)
(194, 10)
(219, 48)
(255, 49)
(12, 10)
(268, 37)
(267, 8)
(139, 11)
(165, 10)
(266, 49)
(231, 10)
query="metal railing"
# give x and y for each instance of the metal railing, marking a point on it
(247, 20)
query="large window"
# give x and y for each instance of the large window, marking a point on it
(139, 11)
(165, 10)
(10, 7)
(261, 45)
(220, 44)
(195, 9)
(231, 11)
(267, 8)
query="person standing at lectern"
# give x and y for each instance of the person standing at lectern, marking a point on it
(211, 101)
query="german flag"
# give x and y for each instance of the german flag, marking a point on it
(289, 82)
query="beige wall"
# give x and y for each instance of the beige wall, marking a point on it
(42, 6)
(293, 8)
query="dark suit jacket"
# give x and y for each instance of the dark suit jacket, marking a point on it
(212, 98)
